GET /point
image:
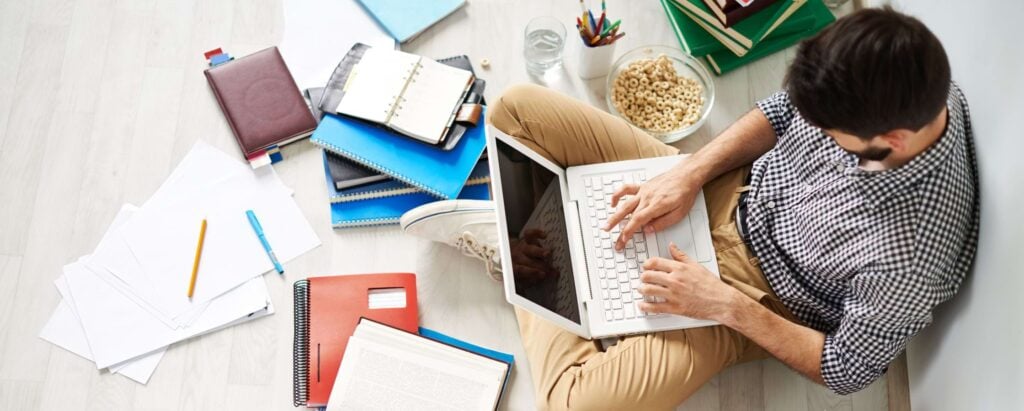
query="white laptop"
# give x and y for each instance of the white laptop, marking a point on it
(593, 291)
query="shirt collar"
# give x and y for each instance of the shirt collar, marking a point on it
(877, 186)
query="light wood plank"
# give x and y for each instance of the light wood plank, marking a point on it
(872, 397)
(10, 266)
(248, 397)
(898, 385)
(148, 161)
(85, 57)
(741, 387)
(820, 398)
(206, 372)
(707, 398)
(19, 395)
(21, 154)
(111, 392)
(163, 392)
(13, 28)
(69, 381)
(784, 389)
(170, 34)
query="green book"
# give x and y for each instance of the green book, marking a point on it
(692, 39)
(722, 62)
(699, 39)
(752, 30)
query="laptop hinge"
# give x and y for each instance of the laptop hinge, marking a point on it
(576, 231)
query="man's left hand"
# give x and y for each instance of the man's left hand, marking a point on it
(685, 287)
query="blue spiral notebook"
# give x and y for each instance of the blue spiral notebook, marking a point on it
(390, 187)
(438, 172)
(388, 208)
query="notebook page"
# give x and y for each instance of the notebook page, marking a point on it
(375, 83)
(426, 108)
(378, 376)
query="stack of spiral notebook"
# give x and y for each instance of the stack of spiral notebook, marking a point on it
(375, 173)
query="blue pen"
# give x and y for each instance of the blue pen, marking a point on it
(263, 239)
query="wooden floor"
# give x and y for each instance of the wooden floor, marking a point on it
(100, 99)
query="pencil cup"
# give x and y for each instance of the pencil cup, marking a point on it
(595, 61)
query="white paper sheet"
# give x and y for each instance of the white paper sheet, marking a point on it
(118, 329)
(163, 238)
(318, 33)
(132, 282)
(202, 166)
(64, 329)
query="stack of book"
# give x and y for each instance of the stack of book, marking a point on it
(731, 33)
(358, 346)
(392, 143)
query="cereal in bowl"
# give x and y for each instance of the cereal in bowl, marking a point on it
(653, 96)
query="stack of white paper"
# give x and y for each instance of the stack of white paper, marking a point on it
(125, 303)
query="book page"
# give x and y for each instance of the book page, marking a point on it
(376, 83)
(375, 375)
(430, 100)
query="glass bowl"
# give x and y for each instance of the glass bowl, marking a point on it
(685, 65)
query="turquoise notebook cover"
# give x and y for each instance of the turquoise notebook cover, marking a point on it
(405, 19)
(438, 172)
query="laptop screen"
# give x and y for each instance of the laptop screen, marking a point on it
(541, 263)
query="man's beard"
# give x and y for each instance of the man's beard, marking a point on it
(872, 153)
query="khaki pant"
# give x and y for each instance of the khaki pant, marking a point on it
(649, 372)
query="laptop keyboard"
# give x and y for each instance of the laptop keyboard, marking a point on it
(618, 272)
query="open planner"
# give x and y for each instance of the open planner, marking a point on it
(410, 94)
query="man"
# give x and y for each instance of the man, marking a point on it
(858, 215)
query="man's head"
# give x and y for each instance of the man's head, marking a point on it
(870, 80)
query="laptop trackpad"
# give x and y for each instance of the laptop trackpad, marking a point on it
(682, 235)
(702, 234)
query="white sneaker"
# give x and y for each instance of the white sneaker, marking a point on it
(468, 225)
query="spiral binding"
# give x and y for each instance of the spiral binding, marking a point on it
(359, 159)
(300, 346)
(366, 195)
(369, 222)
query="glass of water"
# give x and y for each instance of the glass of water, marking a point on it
(545, 41)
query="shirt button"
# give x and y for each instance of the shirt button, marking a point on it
(770, 204)
(840, 167)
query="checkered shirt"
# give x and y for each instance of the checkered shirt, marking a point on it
(863, 256)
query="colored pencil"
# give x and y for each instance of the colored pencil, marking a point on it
(608, 29)
(592, 22)
(600, 22)
(195, 264)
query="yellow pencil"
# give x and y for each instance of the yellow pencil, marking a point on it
(195, 265)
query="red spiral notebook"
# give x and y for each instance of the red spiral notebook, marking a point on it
(327, 310)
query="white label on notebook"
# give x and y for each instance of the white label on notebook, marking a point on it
(387, 298)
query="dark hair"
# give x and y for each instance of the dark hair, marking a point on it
(871, 72)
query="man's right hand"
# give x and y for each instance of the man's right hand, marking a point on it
(654, 205)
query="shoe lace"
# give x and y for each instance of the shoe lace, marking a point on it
(469, 245)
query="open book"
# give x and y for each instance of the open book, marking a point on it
(410, 94)
(385, 368)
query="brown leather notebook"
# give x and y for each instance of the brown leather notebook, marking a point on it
(261, 102)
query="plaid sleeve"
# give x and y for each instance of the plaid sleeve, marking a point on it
(779, 111)
(881, 313)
